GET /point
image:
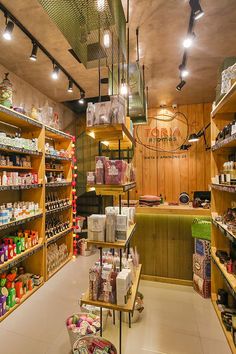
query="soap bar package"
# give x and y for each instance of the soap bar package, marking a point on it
(97, 222)
(91, 178)
(121, 227)
(96, 235)
(202, 247)
(110, 227)
(100, 169)
(117, 114)
(114, 172)
(102, 113)
(202, 286)
(202, 266)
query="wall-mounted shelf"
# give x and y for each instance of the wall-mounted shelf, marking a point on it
(226, 143)
(231, 279)
(224, 188)
(223, 229)
(16, 168)
(56, 134)
(57, 210)
(21, 187)
(58, 184)
(59, 158)
(227, 104)
(20, 120)
(59, 235)
(20, 221)
(11, 149)
(105, 189)
(54, 170)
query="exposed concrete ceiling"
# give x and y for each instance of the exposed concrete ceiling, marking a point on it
(163, 25)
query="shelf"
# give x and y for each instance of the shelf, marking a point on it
(227, 104)
(111, 134)
(20, 257)
(105, 189)
(58, 184)
(56, 134)
(24, 297)
(118, 244)
(21, 221)
(57, 210)
(20, 187)
(61, 266)
(12, 149)
(230, 278)
(226, 143)
(129, 307)
(53, 170)
(223, 229)
(58, 236)
(224, 188)
(20, 120)
(54, 157)
(15, 168)
(227, 333)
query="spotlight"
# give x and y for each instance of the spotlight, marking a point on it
(183, 71)
(181, 85)
(124, 88)
(70, 86)
(55, 72)
(82, 96)
(185, 147)
(196, 9)
(33, 55)
(187, 43)
(101, 5)
(7, 34)
(107, 39)
(193, 138)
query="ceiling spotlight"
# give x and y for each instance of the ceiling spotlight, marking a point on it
(70, 86)
(82, 96)
(107, 38)
(196, 9)
(187, 43)
(193, 138)
(181, 85)
(55, 72)
(7, 34)
(183, 71)
(124, 88)
(33, 55)
(101, 5)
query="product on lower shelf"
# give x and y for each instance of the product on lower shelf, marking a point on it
(18, 143)
(18, 179)
(14, 285)
(49, 149)
(10, 212)
(56, 255)
(56, 224)
(93, 345)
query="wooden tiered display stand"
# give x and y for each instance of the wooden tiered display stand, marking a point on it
(34, 259)
(115, 137)
(222, 198)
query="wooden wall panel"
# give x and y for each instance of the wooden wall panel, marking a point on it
(170, 173)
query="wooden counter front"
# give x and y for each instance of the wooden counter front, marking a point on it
(164, 242)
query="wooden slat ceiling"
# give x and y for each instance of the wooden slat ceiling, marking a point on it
(163, 25)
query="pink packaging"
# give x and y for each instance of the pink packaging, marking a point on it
(91, 178)
(114, 172)
(99, 166)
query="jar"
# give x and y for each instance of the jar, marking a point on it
(6, 92)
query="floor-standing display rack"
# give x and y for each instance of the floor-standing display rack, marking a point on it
(34, 259)
(222, 197)
(116, 137)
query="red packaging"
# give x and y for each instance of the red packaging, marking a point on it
(99, 169)
(19, 289)
(201, 286)
(114, 172)
(35, 178)
(202, 266)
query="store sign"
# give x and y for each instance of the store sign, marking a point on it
(164, 135)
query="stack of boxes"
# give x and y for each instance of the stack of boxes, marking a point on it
(202, 267)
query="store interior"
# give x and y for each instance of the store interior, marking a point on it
(117, 177)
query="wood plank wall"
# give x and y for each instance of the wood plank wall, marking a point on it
(169, 173)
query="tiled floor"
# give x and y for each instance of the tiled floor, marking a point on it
(175, 320)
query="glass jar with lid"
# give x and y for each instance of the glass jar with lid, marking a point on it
(6, 91)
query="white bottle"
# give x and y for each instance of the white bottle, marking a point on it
(4, 178)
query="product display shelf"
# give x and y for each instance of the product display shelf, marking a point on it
(60, 266)
(16, 168)
(227, 334)
(21, 221)
(21, 187)
(224, 188)
(24, 297)
(56, 134)
(59, 235)
(231, 279)
(11, 150)
(20, 257)
(54, 157)
(58, 184)
(117, 244)
(113, 135)
(223, 229)
(57, 210)
(20, 120)
(226, 143)
(129, 307)
(105, 189)
(53, 170)
(227, 104)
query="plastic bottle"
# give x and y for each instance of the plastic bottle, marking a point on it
(4, 178)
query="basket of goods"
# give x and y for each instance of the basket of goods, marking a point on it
(83, 324)
(93, 345)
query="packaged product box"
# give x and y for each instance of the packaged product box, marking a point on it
(96, 235)
(202, 266)
(202, 286)
(202, 247)
(100, 169)
(91, 178)
(102, 113)
(121, 227)
(96, 222)
(117, 113)
(114, 172)
(110, 227)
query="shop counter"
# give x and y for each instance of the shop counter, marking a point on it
(164, 242)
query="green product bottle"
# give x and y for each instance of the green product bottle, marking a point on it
(11, 298)
(18, 246)
(22, 240)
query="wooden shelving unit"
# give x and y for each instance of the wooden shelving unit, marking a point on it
(222, 198)
(34, 259)
(113, 190)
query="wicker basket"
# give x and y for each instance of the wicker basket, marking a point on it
(86, 341)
